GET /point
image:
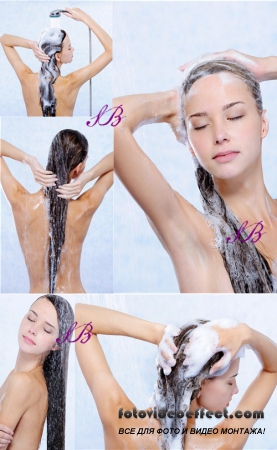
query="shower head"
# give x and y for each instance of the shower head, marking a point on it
(57, 13)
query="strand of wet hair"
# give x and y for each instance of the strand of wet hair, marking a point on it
(247, 268)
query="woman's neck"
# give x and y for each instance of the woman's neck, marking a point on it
(248, 197)
(26, 362)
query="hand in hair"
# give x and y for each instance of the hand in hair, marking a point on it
(39, 54)
(258, 66)
(167, 349)
(45, 178)
(70, 190)
(6, 435)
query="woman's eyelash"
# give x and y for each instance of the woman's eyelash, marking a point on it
(235, 118)
(30, 319)
(200, 128)
(48, 332)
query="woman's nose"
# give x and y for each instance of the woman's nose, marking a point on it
(220, 133)
(236, 390)
(33, 329)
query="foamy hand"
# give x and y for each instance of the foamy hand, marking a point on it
(167, 349)
(208, 339)
(256, 65)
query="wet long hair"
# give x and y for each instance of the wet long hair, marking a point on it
(51, 42)
(176, 391)
(55, 368)
(248, 269)
(68, 149)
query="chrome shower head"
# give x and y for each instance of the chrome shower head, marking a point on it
(57, 13)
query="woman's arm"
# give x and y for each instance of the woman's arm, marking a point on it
(18, 398)
(9, 41)
(139, 174)
(11, 185)
(80, 76)
(93, 197)
(264, 68)
(260, 390)
(107, 393)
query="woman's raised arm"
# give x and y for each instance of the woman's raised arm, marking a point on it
(106, 391)
(79, 77)
(139, 174)
(10, 184)
(260, 390)
(9, 42)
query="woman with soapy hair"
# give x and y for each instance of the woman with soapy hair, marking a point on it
(201, 363)
(48, 93)
(218, 113)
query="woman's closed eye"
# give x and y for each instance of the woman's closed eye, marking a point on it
(236, 117)
(48, 332)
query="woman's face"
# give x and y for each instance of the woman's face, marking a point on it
(224, 126)
(217, 392)
(66, 55)
(39, 328)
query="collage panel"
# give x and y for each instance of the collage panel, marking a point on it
(35, 371)
(92, 274)
(211, 204)
(127, 381)
(47, 239)
(50, 55)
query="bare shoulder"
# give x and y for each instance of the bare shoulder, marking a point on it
(25, 386)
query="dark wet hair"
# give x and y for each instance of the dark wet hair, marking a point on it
(51, 42)
(55, 368)
(248, 269)
(68, 149)
(176, 391)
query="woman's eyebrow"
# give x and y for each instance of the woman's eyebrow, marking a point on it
(204, 113)
(45, 320)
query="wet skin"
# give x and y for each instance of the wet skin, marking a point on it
(32, 227)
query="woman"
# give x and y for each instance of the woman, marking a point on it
(56, 95)
(50, 220)
(184, 389)
(36, 387)
(218, 114)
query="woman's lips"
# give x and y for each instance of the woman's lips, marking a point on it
(227, 156)
(28, 341)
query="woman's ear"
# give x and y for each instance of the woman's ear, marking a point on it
(58, 57)
(265, 124)
(201, 387)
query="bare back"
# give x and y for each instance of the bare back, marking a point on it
(28, 431)
(32, 227)
(65, 94)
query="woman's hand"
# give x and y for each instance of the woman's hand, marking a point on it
(39, 54)
(75, 13)
(221, 335)
(167, 349)
(6, 436)
(258, 66)
(70, 190)
(45, 178)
